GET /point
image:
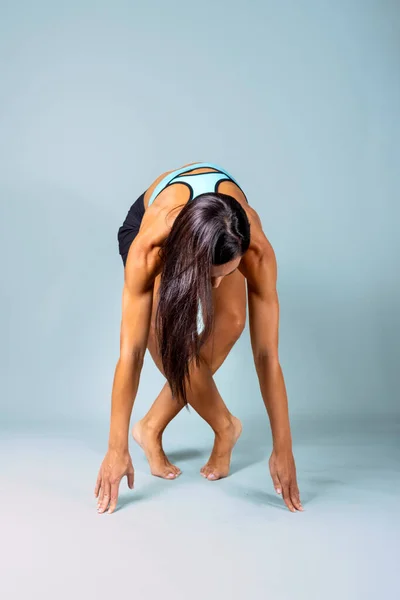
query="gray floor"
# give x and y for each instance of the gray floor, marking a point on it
(192, 538)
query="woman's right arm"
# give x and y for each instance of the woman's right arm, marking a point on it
(137, 300)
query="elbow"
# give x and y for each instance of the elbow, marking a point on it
(266, 358)
(133, 355)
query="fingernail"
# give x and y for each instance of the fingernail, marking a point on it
(278, 490)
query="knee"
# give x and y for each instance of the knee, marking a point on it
(235, 325)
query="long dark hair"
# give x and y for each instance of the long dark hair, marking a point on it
(211, 229)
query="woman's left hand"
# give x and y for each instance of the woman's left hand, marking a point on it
(283, 473)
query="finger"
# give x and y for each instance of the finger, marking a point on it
(114, 496)
(276, 482)
(106, 496)
(295, 497)
(130, 477)
(97, 486)
(101, 492)
(286, 497)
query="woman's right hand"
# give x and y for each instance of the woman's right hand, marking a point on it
(115, 466)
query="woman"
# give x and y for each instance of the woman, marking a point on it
(187, 253)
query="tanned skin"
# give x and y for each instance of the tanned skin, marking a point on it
(258, 269)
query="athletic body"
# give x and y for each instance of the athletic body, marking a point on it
(149, 226)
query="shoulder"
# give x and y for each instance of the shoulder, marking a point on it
(257, 235)
(259, 263)
(155, 183)
(142, 264)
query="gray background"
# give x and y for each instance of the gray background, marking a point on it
(300, 101)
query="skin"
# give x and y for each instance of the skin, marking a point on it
(256, 269)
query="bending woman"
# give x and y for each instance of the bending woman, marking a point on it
(189, 245)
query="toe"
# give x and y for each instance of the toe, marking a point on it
(170, 468)
(176, 471)
(165, 473)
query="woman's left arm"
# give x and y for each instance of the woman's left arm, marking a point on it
(260, 269)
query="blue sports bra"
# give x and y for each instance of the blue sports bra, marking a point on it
(198, 183)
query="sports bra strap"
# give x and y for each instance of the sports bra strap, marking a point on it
(168, 178)
(212, 166)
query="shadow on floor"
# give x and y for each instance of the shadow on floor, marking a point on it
(155, 488)
(312, 489)
(186, 454)
(256, 496)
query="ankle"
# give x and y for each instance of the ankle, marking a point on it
(152, 427)
(224, 426)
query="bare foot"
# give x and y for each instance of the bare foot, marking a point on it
(220, 459)
(152, 447)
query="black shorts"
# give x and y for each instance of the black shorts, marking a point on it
(130, 227)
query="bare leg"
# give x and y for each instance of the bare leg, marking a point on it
(230, 311)
(207, 401)
(148, 434)
(204, 397)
